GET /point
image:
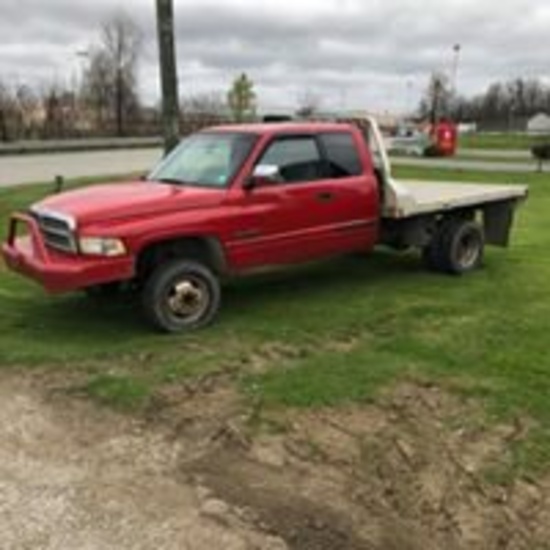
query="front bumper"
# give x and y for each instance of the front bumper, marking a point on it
(57, 271)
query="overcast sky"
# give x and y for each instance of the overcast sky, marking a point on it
(368, 54)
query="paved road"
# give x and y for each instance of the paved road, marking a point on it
(16, 170)
(78, 144)
(20, 169)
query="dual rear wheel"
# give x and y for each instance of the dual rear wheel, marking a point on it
(457, 247)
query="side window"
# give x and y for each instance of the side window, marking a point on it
(342, 158)
(297, 158)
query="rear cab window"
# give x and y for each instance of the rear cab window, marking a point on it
(341, 155)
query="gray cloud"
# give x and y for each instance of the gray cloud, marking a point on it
(360, 54)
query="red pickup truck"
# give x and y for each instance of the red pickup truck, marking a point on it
(232, 199)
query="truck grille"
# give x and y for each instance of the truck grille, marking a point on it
(56, 231)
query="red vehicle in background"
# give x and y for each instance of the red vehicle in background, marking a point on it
(435, 139)
(443, 139)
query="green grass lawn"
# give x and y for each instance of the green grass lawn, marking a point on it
(325, 334)
(499, 141)
(466, 156)
(463, 155)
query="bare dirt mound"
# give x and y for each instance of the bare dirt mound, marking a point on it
(202, 470)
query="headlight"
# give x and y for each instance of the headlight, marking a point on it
(101, 246)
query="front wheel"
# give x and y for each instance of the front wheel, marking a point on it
(181, 295)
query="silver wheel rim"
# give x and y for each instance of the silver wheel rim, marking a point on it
(187, 299)
(468, 250)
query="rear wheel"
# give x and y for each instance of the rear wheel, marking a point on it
(181, 295)
(457, 247)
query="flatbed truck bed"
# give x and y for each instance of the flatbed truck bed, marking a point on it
(416, 197)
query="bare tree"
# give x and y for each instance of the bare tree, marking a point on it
(58, 107)
(309, 104)
(53, 115)
(122, 40)
(202, 110)
(28, 115)
(6, 111)
(110, 80)
(437, 100)
(98, 86)
(207, 103)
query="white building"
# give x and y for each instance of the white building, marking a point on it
(539, 124)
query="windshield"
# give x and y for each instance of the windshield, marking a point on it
(209, 160)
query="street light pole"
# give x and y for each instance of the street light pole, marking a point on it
(84, 57)
(408, 97)
(454, 73)
(168, 74)
(453, 106)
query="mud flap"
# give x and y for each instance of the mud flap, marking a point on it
(497, 221)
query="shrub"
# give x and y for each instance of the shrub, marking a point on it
(541, 151)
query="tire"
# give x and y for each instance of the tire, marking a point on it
(181, 295)
(457, 248)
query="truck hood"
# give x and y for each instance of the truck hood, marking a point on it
(116, 201)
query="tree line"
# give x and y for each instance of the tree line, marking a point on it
(505, 105)
(105, 101)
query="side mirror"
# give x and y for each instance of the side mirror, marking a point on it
(264, 174)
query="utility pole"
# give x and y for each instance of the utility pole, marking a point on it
(168, 74)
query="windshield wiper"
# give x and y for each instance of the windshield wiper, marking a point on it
(169, 180)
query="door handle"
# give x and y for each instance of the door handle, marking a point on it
(325, 196)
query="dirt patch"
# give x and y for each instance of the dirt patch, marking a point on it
(199, 472)
(407, 473)
(273, 504)
(75, 476)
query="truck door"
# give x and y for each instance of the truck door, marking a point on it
(352, 182)
(310, 212)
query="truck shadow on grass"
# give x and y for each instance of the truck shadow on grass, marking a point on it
(298, 304)
(366, 273)
(119, 316)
